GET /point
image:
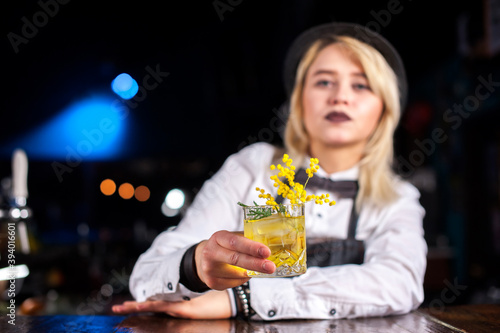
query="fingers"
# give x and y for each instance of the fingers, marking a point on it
(212, 305)
(214, 271)
(146, 306)
(240, 262)
(222, 260)
(237, 242)
(234, 249)
(125, 308)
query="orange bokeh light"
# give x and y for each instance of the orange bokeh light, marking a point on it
(126, 191)
(108, 187)
(142, 193)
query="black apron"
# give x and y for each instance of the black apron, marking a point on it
(329, 251)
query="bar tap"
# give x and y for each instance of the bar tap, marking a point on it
(16, 192)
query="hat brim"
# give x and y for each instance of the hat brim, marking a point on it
(302, 43)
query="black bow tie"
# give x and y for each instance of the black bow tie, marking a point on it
(344, 188)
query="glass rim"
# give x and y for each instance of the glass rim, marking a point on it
(274, 206)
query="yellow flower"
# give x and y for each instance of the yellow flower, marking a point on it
(290, 189)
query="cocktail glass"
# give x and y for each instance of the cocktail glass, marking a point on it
(283, 231)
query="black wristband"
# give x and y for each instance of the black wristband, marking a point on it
(188, 274)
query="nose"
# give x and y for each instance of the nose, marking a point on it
(339, 94)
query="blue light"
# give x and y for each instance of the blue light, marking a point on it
(89, 129)
(125, 86)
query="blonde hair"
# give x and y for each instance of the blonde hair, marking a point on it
(375, 174)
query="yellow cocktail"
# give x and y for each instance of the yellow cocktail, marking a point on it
(282, 229)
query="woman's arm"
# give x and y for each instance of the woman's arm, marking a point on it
(389, 282)
(156, 274)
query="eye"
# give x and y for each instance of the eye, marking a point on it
(323, 83)
(361, 86)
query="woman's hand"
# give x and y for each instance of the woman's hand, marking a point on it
(222, 260)
(212, 305)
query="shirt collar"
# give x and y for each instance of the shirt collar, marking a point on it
(349, 174)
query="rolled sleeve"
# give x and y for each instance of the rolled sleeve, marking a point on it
(156, 273)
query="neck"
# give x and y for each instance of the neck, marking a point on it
(335, 159)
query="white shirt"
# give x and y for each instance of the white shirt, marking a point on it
(390, 281)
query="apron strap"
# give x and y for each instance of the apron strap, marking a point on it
(353, 220)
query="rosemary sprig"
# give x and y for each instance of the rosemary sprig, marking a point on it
(258, 212)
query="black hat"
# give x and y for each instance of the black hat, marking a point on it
(304, 41)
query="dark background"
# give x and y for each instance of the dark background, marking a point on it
(225, 80)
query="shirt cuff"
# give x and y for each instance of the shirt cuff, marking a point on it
(234, 308)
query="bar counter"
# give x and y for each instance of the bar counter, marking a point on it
(463, 318)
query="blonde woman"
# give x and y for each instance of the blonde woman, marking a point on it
(366, 254)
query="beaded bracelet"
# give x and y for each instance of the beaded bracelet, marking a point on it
(243, 292)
